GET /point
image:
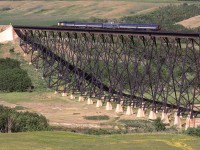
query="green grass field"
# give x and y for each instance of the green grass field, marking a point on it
(72, 141)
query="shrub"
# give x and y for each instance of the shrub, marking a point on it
(159, 125)
(5, 9)
(14, 80)
(9, 63)
(19, 108)
(144, 125)
(13, 121)
(104, 117)
(5, 119)
(193, 131)
(12, 50)
(29, 122)
(90, 131)
(12, 77)
(138, 125)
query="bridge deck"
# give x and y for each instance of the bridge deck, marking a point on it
(112, 31)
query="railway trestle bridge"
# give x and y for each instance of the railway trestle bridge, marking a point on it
(144, 69)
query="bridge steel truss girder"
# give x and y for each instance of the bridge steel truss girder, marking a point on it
(146, 69)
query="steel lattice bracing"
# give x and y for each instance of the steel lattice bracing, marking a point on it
(154, 69)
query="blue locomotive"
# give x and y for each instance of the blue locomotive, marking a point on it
(110, 25)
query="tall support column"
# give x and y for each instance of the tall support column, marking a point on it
(177, 121)
(140, 113)
(99, 103)
(129, 110)
(89, 101)
(119, 108)
(190, 121)
(64, 94)
(152, 115)
(108, 106)
(81, 99)
(72, 96)
(165, 118)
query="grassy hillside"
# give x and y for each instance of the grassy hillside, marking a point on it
(13, 50)
(167, 17)
(71, 141)
(50, 12)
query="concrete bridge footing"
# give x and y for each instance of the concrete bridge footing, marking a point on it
(165, 118)
(129, 110)
(81, 99)
(140, 113)
(152, 115)
(64, 94)
(108, 106)
(119, 108)
(72, 96)
(190, 123)
(99, 103)
(89, 101)
(177, 121)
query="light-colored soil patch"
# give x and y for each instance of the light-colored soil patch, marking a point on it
(72, 112)
(7, 104)
(193, 22)
(64, 111)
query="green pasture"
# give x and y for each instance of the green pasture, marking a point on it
(72, 141)
(17, 97)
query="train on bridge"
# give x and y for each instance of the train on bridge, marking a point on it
(110, 25)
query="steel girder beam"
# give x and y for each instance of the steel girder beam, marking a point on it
(158, 71)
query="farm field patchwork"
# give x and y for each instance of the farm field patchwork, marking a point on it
(49, 13)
